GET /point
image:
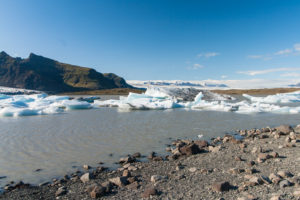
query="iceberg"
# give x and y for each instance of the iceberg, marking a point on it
(277, 98)
(163, 98)
(152, 99)
(37, 104)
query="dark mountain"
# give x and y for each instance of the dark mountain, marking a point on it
(295, 85)
(44, 74)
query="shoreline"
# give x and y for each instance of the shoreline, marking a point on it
(264, 164)
(125, 91)
(265, 91)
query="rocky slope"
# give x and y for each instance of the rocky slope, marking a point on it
(44, 74)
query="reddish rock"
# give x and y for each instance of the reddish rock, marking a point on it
(190, 149)
(201, 143)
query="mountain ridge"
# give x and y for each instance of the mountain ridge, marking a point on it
(40, 73)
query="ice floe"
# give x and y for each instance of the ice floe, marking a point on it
(278, 98)
(37, 104)
(162, 98)
(152, 99)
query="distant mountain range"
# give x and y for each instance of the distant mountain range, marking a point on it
(196, 84)
(295, 85)
(44, 74)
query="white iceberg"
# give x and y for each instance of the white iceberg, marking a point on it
(277, 98)
(37, 104)
(161, 98)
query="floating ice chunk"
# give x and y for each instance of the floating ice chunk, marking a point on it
(277, 98)
(75, 105)
(162, 100)
(37, 104)
(158, 92)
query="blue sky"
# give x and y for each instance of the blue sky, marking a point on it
(158, 39)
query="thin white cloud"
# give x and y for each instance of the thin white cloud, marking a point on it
(297, 47)
(223, 76)
(284, 52)
(267, 71)
(295, 50)
(196, 66)
(208, 54)
(255, 56)
(290, 74)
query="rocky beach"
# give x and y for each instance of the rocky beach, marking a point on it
(253, 164)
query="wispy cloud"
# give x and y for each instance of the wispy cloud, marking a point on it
(290, 74)
(295, 50)
(195, 66)
(255, 56)
(208, 54)
(297, 47)
(284, 52)
(267, 71)
(223, 76)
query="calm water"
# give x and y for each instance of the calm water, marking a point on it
(59, 144)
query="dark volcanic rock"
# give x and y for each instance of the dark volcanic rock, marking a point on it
(221, 186)
(190, 149)
(44, 74)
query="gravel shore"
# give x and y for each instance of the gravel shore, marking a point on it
(262, 164)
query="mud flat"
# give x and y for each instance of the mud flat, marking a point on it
(254, 164)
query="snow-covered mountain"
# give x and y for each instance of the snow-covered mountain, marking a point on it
(218, 84)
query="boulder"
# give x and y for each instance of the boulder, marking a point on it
(127, 159)
(119, 181)
(221, 186)
(190, 149)
(284, 129)
(201, 143)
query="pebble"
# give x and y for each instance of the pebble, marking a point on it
(157, 178)
(86, 167)
(297, 192)
(285, 183)
(97, 192)
(150, 191)
(193, 169)
(86, 177)
(61, 191)
(284, 174)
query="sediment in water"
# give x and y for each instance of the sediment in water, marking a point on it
(263, 164)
